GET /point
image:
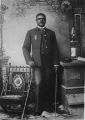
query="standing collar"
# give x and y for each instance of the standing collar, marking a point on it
(41, 27)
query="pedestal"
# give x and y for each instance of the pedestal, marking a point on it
(73, 83)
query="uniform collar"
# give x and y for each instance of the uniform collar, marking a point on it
(41, 27)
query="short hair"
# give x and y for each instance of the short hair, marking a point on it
(41, 14)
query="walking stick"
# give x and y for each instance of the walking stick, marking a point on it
(56, 68)
(28, 89)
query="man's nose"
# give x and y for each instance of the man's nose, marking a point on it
(41, 19)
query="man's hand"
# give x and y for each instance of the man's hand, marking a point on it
(31, 63)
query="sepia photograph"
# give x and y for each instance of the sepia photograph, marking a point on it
(42, 59)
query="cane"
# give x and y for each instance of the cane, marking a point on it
(28, 89)
(56, 68)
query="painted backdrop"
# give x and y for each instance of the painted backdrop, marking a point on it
(17, 22)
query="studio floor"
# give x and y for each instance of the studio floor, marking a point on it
(76, 113)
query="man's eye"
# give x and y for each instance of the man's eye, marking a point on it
(40, 19)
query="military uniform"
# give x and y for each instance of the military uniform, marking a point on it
(42, 44)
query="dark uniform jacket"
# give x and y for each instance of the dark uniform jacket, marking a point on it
(42, 45)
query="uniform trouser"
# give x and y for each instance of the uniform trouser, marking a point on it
(44, 79)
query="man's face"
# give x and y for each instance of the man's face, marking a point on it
(41, 20)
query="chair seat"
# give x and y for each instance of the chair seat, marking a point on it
(12, 98)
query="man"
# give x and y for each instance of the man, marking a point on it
(41, 53)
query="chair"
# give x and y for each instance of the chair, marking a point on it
(16, 87)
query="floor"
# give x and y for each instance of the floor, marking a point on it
(76, 113)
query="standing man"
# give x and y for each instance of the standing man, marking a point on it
(41, 42)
